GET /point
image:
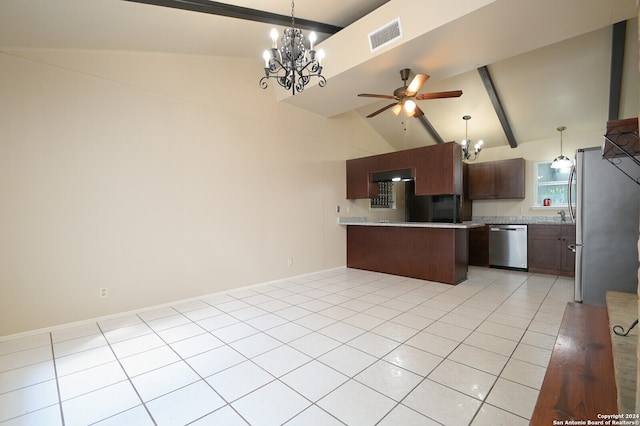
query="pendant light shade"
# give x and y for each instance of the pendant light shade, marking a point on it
(561, 161)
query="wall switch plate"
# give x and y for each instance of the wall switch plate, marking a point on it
(104, 292)
(290, 261)
(337, 209)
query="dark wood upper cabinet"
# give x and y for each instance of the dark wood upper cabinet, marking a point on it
(358, 184)
(437, 169)
(497, 179)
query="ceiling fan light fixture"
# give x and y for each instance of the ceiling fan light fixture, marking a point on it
(407, 95)
(293, 64)
(410, 106)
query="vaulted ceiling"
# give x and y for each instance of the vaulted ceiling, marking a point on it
(549, 60)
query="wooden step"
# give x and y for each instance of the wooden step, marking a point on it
(579, 383)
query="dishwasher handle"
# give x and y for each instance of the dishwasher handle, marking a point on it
(498, 229)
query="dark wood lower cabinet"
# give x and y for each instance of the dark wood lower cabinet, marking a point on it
(435, 254)
(479, 246)
(547, 248)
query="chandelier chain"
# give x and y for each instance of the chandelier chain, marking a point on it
(293, 14)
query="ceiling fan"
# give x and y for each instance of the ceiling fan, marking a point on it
(406, 96)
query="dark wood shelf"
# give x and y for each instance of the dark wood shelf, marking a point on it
(621, 139)
(579, 383)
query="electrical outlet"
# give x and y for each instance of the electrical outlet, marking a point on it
(104, 292)
(290, 261)
(337, 209)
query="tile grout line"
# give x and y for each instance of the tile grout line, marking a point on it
(55, 372)
(226, 403)
(128, 379)
(483, 402)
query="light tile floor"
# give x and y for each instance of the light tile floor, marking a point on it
(337, 347)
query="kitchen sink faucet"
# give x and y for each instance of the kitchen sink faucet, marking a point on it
(562, 216)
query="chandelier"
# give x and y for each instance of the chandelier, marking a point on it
(466, 143)
(292, 65)
(561, 162)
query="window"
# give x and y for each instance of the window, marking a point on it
(386, 197)
(553, 185)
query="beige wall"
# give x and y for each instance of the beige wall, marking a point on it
(161, 177)
(548, 149)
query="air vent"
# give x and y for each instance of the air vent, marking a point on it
(385, 35)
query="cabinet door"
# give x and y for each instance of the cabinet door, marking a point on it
(543, 248)
(479, 246)
(497, 179)
(509, 178)
(358, 178)
(568, 257)
(438, 169)
(480, 183)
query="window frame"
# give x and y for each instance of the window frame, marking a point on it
(538, 205)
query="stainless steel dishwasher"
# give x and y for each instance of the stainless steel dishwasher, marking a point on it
(508, 246)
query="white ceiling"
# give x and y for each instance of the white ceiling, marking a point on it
(549, 59)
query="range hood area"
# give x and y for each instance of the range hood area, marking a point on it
(402, 175)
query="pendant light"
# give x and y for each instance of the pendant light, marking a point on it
(466, 143)
(561, 162)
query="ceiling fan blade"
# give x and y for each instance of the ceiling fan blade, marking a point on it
(370, 95)
(439, 95)
(381, 110)
(416, 84)
(417, 112)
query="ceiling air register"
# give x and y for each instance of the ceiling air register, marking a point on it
(385, 35)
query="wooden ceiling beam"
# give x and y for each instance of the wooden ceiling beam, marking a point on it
(432, 131)
(238, 12)
(619, 32)
(497, 105)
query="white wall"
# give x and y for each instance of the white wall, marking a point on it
(161, 177)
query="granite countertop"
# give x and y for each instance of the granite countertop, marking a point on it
(521, 220)
(363, 222)
(477, 222)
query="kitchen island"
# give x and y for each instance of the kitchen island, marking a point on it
(424, 250)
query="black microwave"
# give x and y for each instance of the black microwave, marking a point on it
(444, 208)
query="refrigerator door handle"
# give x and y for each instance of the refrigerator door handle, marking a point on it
(578, 278)
(572, 212)
(571, 248)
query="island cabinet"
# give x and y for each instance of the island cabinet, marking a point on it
(436, 169)
(428, 253)
(496, 179)
(547, 249)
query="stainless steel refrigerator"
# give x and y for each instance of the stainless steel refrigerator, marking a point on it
(607, 217)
